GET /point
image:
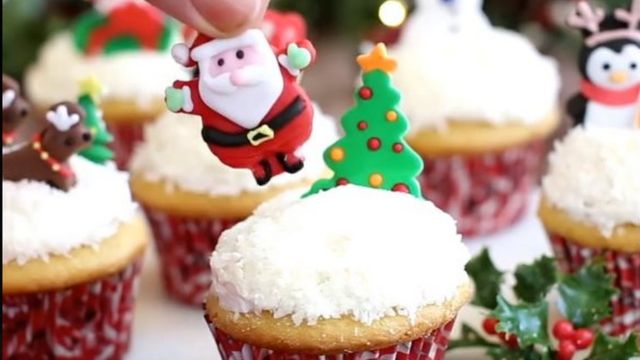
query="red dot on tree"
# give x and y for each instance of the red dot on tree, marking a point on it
(397, 147)
(362, 125)
(365, 93)
(374, 143)
(403, 188)
(342, 182)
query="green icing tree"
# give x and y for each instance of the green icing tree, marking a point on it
(99, 151)
(373, 152)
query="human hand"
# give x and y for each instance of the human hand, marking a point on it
(219, 18)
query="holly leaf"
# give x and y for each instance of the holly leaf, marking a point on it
(607, 347)
(527, 321)
(506, 353)
(487, 279)
(534, 281)
(469, 338)
(585, 296)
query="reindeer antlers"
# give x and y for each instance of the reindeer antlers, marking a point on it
(586, 17)
(630, 17)
(61, 119)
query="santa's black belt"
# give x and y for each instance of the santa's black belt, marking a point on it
(260, 134)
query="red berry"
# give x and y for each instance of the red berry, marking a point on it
(342, 182)
(563, 330)
(362, 125)
(397, 147)
(489, 326)
(566, 350)
(583, 338)
(510, 340)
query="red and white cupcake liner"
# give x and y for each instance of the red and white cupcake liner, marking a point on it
(624, 266)
(184, 245)
(83, 322)
(485, 193)
(126, 137)
(430, 347)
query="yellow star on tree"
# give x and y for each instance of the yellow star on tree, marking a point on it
(91, 86)
(377, 59)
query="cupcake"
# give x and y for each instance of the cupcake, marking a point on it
(481, 101)
(130, 57)
(190, 197)
(319, 276)
(345, 269)
(591, 210)
(72, 246)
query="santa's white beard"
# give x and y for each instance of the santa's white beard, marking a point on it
(245, 105)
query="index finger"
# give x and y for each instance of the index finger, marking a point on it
(219, 18)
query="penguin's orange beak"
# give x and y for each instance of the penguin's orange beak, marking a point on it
(619, 77)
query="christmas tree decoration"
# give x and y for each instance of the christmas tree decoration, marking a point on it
(234, 72)
(523, 327)
(609, 62)
(15, 109)
(373, 153)
(46, 157)
(89, 99)
(129, 25)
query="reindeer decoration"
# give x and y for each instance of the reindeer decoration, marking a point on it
(46, 158)
(15, 109)
(610, 65)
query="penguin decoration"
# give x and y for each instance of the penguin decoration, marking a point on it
(609, 62)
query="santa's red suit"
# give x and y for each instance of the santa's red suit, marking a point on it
(269, 148)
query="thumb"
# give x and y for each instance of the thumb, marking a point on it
(231, 16)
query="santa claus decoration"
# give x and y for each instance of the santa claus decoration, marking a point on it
(255, 115)
(610, 65)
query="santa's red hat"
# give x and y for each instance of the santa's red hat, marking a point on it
(204, 46)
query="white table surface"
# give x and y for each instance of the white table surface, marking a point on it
(166, 330)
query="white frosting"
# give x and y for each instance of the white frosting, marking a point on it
(39, 221)
(174, 152)
(473, 72)
(140, 76)
(595, 177)
(349, 251)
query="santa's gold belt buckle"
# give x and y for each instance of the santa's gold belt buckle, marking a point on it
(260, 135)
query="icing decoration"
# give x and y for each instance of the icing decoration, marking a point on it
(98, 152)
(522, 328)
(283, 28)
(46, 157)
(15, 109)
(373, 152)
(610, 97)
(124, 26)
(233, 72)
(610, 66)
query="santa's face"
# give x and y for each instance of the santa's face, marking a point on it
(243, 81)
